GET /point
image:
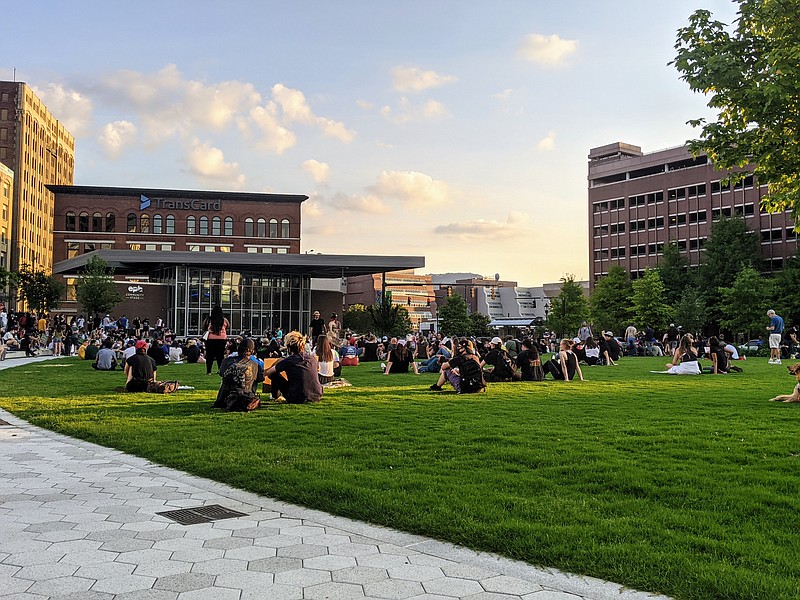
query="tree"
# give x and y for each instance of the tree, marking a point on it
(752, 77)
(744, 303)
(691, 310)
(40, 291)
(730, 248)
(673, 268)
(453, 317)
(95, 289)
(7, 280)
(569, 309)
(786, 284)
(357, 318)
(480, 325)
(389, 319)
(649, 306)
(610, 302)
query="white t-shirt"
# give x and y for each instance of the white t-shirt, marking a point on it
(733, 351)
(128, 352)
(326, 368)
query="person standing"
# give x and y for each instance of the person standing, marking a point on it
(630, 339)
(317, 326)
(584, 332)
(775, 329)
(216, 327)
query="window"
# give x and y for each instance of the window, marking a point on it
(203, 229)
(618, 228)
(97, 222)
(111, 222)
(209, 248)
(718, 213)
(655, 223)
(261, 229)
(697, 244)
(698, 217)
(618, 252)
(170, 229)
(681, 244)
(675, 220)
(612, 204)
(655, 248)
(194, 248)
(771, 235)
(273, 228)
(791, 234)
(248, 227)
(216, 226)
(697, 190)
(252, 249)
(637, 200)
(282, 250)
(132, 220)
(191, 226)
(157, 224)
(83, 221)
(600, 206)
(144, 223)
(749, 210)
(150, 247)
(72, 249)
(266, 251)
(69, 222)
(640, 250)
(600, 230)
(228, 225)
(637, 225)
(284, 228)
(166, 247)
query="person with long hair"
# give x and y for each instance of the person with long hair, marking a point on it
(296, 377)
(592, 351)
(685, 362)
(564, 365)
(400, 359)
(216, 335)
(327, 358)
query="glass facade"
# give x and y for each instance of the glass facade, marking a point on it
(253, 302)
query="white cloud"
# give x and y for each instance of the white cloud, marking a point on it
(504, 95)
(364, 105)
(272, 136)
(360, 203)
(209, 163)
(547, 50)
(69, 106)
(295, 108)
(115, 137)
(318, 170)
(414, 79)
(413, 189)
(515, 224)
(407, 112)
(548, 142)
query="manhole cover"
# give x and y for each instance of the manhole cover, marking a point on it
(201, 514)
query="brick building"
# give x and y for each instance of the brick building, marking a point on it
(40, 152)
(639, 202)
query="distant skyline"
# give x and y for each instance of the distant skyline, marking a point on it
(454, 130)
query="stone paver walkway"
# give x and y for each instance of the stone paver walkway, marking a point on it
(78, 521)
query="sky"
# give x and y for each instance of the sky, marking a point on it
(454, 130)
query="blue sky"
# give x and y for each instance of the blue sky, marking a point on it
(454, 130)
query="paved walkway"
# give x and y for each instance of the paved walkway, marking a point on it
(78, 521)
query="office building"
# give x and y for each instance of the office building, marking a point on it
(407, 289)
(6, 214)
(639, 202)
(40, 152)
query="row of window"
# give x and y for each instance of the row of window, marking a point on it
(699, 216)
(691, 191)
(76, 248)
(647, 249)
(166, 225)
(777, 235)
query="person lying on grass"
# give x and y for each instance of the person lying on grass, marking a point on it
(141, 374)
(400, 359)
(463, 371)
(564, 365)
(301, 383)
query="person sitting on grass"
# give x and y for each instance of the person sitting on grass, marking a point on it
(400, 359)
(500, 363)
(463, 371)
(141, 374)
(591, 352)
(684, 362)
(327, 359)
(240, 378)
(610, 349)
(564, 365)
(437, 354)
(529, 362)
(106, 357)
(301, 383)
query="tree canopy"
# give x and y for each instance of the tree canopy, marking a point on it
(389, 319)
(750, 72)
(454, 318)
(610, 302)
(40, 291)
(569, 309)
(649, 306)
(95, 289)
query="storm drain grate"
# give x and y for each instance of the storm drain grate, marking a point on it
(4, 423)
(201, 514)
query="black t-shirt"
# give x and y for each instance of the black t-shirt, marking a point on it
(399, 363)
(142, 367)
(611, 346)
(192, 353)
(157, 353)
(370, 351)
(523, 361)
(495, 357)
(303, 382)
(317, 328)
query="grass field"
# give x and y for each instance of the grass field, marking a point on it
(688, 486)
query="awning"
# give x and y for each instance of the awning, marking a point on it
(313, 265)
(511, 323)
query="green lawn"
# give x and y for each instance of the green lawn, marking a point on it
(688, 486)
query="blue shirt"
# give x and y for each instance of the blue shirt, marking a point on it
(776, 323)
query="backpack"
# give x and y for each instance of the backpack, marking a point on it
(239, 399)
(471, 375)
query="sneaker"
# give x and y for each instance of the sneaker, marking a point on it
(435, 388)
(771, 361)
(383, 365)
(777, 361)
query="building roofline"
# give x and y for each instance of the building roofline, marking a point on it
(324, 266)
(169, 193)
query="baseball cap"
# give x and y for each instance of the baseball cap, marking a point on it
(496, 340)
(577, 340)
(141, 344)
(401, 342)
(609, 333)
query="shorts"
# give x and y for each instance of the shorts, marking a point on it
(774, 340)
(454, 379)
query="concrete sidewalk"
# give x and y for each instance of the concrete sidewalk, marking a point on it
(79, 521)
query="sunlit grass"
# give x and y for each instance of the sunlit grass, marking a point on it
(688, 486)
